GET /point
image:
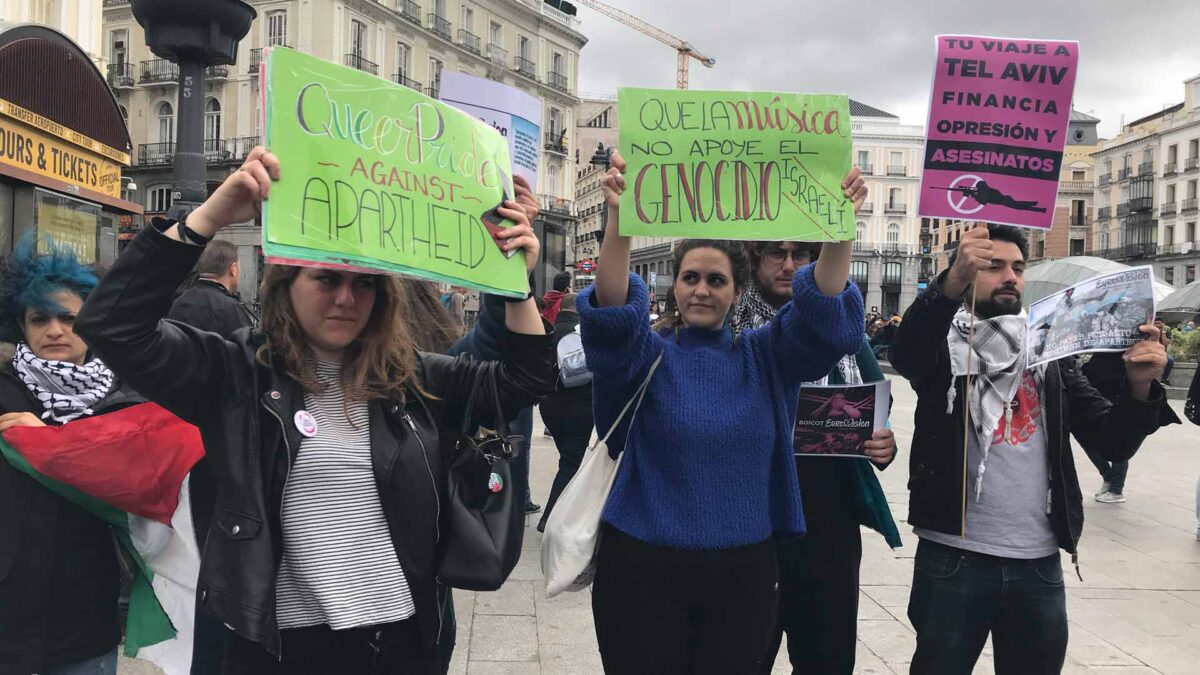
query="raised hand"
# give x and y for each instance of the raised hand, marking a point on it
(520, 235)
(240, 197)
(855, 188)
(1145, 361)
(524, 197)
(974, 254)
(613, 182)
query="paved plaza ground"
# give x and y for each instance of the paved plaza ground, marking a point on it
(1136, 611)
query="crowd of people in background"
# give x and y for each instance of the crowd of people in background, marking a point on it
(327, 427)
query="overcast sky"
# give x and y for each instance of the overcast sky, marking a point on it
(1135, 54)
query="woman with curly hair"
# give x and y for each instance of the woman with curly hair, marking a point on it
(686, 571)
(59, 574)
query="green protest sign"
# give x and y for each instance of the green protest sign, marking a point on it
(735, 165)
(378, 177)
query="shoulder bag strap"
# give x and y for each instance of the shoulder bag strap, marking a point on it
(635, 403)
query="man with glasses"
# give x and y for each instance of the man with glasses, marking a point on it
(818, 573)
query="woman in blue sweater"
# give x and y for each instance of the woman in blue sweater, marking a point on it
(687, 570)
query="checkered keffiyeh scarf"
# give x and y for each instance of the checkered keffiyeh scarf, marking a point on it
(997, 366)
(65, 390)
(753, 311)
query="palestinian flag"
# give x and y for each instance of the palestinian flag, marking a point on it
(130, 469)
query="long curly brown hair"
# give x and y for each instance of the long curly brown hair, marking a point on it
(377, 364)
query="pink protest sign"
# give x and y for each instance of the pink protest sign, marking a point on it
(998, 120)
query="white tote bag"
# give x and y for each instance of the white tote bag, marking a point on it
(573, 529)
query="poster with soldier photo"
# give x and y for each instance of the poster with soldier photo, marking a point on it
(836, 420)
(1099, 315)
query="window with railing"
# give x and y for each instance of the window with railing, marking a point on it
(358, 38)
(556, 78)
(166, 122)
(403, 56)
(438, 23)
(435, 77)
(212, 128)
(409, 10)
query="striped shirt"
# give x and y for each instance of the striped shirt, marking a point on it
(339, 565)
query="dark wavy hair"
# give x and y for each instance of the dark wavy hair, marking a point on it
(739, 260)
(29, 278)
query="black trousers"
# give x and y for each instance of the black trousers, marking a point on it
(666, 611)
(818, 603)
(373, 650)
(570, 423)
(818, 573)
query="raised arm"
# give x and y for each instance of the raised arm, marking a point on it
(920, 340)
(833, 267)
(612, 278)
(188, 371)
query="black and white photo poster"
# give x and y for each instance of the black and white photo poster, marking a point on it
(1099, 315)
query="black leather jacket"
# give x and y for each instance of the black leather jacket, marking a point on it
(245, 412)
(920, 353)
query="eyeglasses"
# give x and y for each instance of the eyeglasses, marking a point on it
(777, 255)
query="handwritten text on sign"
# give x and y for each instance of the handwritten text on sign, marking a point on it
(997, 127)
(735, 165)
(378, 177)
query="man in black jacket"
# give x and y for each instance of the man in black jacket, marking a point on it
(988, 556)
(210, 304)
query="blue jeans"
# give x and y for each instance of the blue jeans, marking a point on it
(1113, 473)
(523, 425)
(958, 597)
(105, 664)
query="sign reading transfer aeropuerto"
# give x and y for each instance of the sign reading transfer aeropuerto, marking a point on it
(35, 144)
(998, 119)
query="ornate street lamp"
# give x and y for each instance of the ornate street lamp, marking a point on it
(195, 34)
(602, 160)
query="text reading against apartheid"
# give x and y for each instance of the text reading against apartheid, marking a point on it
(376, 176)
(735, 165)
(998, 121)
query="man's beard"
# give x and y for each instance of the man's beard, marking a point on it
(992, 307)
(776, 300)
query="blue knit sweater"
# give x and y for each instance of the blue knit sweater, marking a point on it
(710, 459)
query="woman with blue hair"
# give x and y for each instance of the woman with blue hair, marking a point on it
(59, 573)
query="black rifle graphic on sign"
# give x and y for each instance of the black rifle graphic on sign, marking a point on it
(986, 195)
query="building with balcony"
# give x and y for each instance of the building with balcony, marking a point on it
(1070, 229)
(891, 255)
(1155, 204)
(409, 42)
(77, 19)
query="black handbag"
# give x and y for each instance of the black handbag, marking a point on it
(485, 522)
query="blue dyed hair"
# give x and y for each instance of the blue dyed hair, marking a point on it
(28, 279)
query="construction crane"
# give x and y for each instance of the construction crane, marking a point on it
(683, 47)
